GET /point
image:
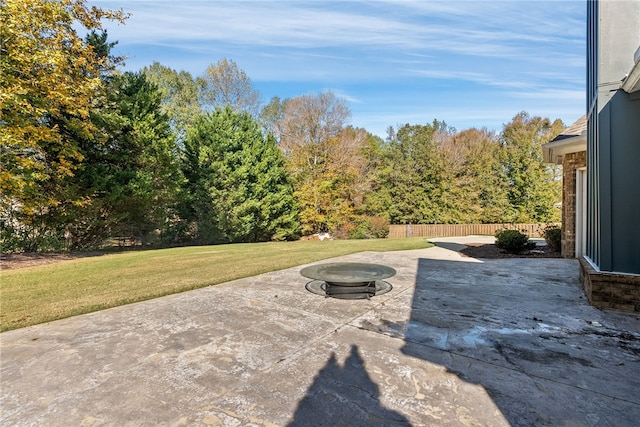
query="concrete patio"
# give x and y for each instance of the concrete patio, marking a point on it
(457, 342)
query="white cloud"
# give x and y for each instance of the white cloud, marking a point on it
(346, 96)
(486, 28)
(392, 60)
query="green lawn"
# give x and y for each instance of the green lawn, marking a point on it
(41, 294)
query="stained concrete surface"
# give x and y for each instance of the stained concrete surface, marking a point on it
(457, 342)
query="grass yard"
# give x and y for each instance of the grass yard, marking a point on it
(44, 293)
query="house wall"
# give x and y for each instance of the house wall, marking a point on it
(613, 142)
(618, 39)
(610, 271)
(593, 196)
(571, 162)
(623, 213)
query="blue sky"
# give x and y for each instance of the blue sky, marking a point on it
(469, 63)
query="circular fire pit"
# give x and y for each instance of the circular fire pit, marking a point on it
(348, 280)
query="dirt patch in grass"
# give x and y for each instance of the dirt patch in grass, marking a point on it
(479, 250)
(23, 260)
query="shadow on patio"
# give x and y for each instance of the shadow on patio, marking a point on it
(457, 342)
(344, 395)
(524, 331)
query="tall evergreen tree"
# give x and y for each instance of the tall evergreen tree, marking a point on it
(131, 177)
(237, 186)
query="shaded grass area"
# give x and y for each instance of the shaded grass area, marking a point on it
(44, 293)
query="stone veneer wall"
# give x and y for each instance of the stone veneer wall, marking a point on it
(570, 163)
(610, 290)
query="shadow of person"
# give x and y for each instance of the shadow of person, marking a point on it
(344, 396)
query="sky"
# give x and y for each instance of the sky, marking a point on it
(468, 63)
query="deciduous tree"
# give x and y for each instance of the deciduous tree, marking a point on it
(49, 77)
(180, 96)
(49, 80)
(331, 178)
(409, 183)
(225, 84)
(477, 189)
(312, 119)
(272, 116)
(533, 189)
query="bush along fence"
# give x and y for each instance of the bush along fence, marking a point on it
(451, 230)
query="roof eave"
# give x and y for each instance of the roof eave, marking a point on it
(553, 152)
(632, 83)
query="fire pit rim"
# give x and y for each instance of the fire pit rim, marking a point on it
(369, 272)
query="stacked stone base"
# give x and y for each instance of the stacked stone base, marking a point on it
(610, 290)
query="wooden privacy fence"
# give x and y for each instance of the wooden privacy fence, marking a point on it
(451, 230)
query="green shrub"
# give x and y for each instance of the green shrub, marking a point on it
(553, 236)
(362, 227)
(22, 238)
(373, 227)
(513, 241)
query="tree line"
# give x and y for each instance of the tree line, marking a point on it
(90, 152)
